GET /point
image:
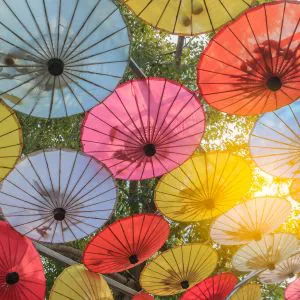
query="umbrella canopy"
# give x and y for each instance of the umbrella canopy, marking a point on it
(295, 189)
(248, 292)
(217, 287)
(146, 128)
(142, 296)
(76, 283)
(21, 270)
(205, 186)
(126, 243)
(285, 270)
(57, 196)
(265, 254)
(178, 269)
(60, 58)
(292, 292)
(187, 17)
(250, 220)
(251, 66)
(11, 142)
(275, 141)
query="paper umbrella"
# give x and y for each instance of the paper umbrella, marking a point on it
(248, 292)
(178, 269)
(295, 189)
(267, 253)
(11, 142)
(275, 141)
(57, 196)
(59, 57)
(126, 243)
(251, 66)
(142, 296)
(205, 186)
(146, 128)
(21, 270)
(187, 17)
(287, 269)
(250, 220)
(217, 287)
(76, 283)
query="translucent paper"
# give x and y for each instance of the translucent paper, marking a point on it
(57, 196)
(275, 142)
(295, 190)
(76, 283)
(178, 269)
(21, 270)
(205, 186)
(248, 292)
(60, 57)
(292, 292)
(217, 287)
(146, 128)
(126, 243)
(142, 296)
(251, 66)
(265, 254)
(250, 220)
(187, 17)
(11, 142)
(286, 270)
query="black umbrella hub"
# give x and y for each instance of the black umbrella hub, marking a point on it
(12, 278)
(133, 259)
(185, 284)
(59, 214)
(55, 66)
(150, 150)
(274, 83)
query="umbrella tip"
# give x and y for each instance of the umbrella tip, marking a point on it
(12, 278)
(55, 66)
(133, 259)
(274, 83)
(59, 214)
(185, 284)
(291, 275)
(257, 236)
(149, 150)
(271, 266)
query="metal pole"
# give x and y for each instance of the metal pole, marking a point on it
(136, 69)
(57, 256)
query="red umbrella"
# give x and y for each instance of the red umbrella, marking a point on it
(126, 243)
(253, 64)
(146, 128)
(142, 296)
(217, 287)
(21, 270)
(292, 292)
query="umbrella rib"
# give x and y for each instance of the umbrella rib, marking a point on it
(58, 27)
(177, 13)
(93, 73)
(63, 95)
(48, 27)
(209, 17)
(268, 36)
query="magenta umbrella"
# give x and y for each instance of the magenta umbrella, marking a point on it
(146, 128)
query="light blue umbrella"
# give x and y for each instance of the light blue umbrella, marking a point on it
(60, 57)
(275, 142)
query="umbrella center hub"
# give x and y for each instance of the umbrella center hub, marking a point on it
(209, 203)
(185, 284)
(59, 214)
(149, 150)
(55, 66)
(271, 266)
(133, 259)
(274, 83)
(256, 236)
(291, 275)
(12, 278)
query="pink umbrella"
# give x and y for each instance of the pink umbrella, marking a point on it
(146, 128)
(292, 292)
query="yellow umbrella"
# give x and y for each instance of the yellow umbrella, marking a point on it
(11, 142)
(76, 283)
(287, 269)
(248, 292)
(265, 254)
(187, 17)
(250, 220)
(178, 269)
(204, 187)
(295, 190)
